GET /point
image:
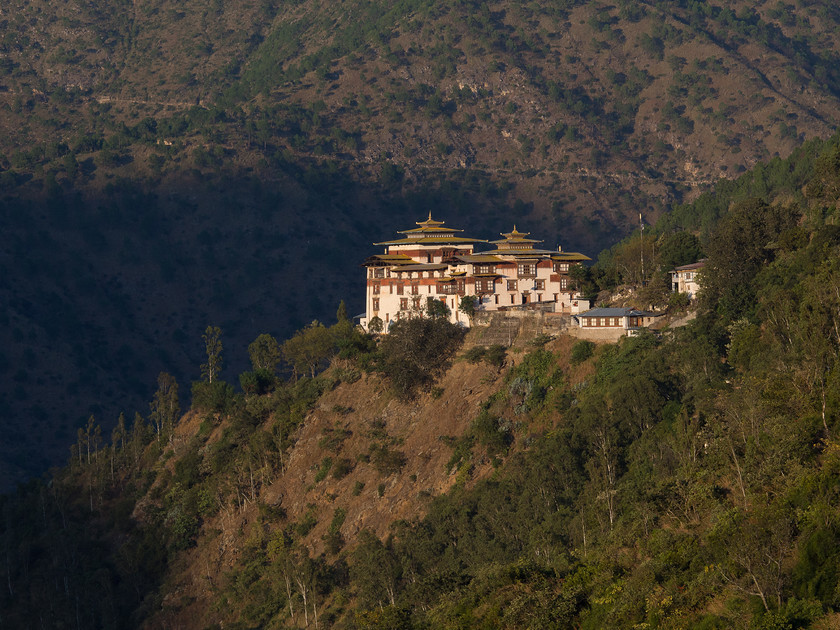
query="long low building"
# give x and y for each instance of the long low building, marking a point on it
(612, 323)
(434, 261)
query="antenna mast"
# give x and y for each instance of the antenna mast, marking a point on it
(642, 246)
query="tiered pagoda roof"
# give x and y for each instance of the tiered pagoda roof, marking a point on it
(431, 232)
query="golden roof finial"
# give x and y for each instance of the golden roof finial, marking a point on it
(430, 215)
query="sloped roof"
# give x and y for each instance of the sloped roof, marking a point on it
(388, 259)
(698, 265)
(478, 258)
(568, 256)
(431, 240)
(616, 312)
(430, 232)
(422, 267)
(515, 236)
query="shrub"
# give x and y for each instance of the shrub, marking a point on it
(495, 355)
(475, 354)
(416, 351)
(213, 397)
(678, 301)
(307, 523)
(323, 469)
(581, 351)
(386, 461)
(258, 382)
(342, 468)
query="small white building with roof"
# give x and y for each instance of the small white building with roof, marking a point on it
(609, 324)
(685, 279)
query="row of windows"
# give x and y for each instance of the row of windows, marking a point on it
(415, 303)
(482, 285)
(601, 321)
(632, 322)
(523, 270)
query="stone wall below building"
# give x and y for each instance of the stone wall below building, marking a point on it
(516, 328)
(611, 334)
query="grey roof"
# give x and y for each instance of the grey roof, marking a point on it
(615, 312)
(698, 265)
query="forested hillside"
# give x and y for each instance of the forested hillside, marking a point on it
(682, 479)
(165, 166)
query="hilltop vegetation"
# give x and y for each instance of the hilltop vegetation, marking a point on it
(589, 110)
(684, 479)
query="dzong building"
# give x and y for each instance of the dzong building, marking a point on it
(438, 262)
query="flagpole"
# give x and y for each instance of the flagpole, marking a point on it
(642, 246)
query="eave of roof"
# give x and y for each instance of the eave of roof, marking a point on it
(698, 265)
(421, 267)
(427, 229)
(478, 258)
(617, 312)
(568, 256)
(535, 253)
(431, 240)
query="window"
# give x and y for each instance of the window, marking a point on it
(403, 304)
(484, 269)
(564, 283)
(484, 286)
(376, 288)
(379, 272)
(415, 288)
(399, 288)
(539, 285)
(375, 304)
(561, 267)
(525, 270)
(416, 302)
(511, 285)
(601, 321)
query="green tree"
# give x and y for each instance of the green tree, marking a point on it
(468, 306)
(343, 330)
(436, 309)
(165, 406)
(376, 325)
(679, 248)
(213, 347)
(265, 353)
(309, 349)
(375, 570)
(740, 246)
(416, 351)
